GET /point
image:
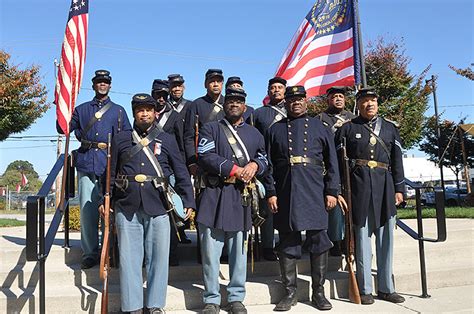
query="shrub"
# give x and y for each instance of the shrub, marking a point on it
(74, 218)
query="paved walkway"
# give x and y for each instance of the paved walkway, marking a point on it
(444, 300)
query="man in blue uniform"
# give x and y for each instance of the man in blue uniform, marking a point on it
(231, 153)
(234, 82)
(264, 118)
(92, 122)
(203, 110)
(377, 181)
(167, 117)
(142, 162)
(170, 121)
(177, 100)
(301, 150)
(334, 116)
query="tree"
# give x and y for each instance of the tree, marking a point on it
(467, 72)
(403, 97)
(449, 141)
(12, 176)
(22, 97)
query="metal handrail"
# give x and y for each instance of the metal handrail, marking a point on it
(418, 235)
(38, 245)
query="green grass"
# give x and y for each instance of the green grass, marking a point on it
(451, 212)
(7, 222)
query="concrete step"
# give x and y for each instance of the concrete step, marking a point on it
(448, 264)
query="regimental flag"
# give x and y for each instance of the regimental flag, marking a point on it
(321, 53)
(71, 66)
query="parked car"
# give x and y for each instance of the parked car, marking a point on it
(452, 196)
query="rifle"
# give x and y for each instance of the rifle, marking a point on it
(354, 295)
(104, 256)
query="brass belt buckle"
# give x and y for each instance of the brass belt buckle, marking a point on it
(295, 160)
(102, 145)
(372, 164)
(140, 178)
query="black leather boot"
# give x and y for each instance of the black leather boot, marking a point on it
(319, 265)
(288, 277)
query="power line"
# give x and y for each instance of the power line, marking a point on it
(26, 147)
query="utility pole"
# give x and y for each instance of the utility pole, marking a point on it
(432, 81)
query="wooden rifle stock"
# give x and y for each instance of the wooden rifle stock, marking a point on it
(104, 256)
(354, 295)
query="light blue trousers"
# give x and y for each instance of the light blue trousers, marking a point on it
(212, 242)
(142, 235)
(384, 254)
(89, 198)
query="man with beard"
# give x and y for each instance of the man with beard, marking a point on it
(92, 122)
(264, 118)
(143, 159)
(333, 118)
(301, 149)
(374, 149)
(231, 153)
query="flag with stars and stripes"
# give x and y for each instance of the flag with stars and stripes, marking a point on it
(322, 52)
(71, 66)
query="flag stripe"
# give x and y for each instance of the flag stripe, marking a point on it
(320, 54)
(71, 66)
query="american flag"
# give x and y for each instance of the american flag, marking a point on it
(321, 53)
(71, 66)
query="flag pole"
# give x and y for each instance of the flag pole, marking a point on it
(65, 172)
(360, 45)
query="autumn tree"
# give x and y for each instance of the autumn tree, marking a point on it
(12, 175)
(450, 143)
(467, 72)
(403, 96)
(22, 96)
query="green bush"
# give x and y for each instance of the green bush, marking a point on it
(74, 218)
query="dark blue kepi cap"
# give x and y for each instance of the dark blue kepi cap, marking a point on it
(292, 91)
(336, 90)
(235, 93)
(160, 86)
(234, 79)
(214, 72)
(102, 76)
(276, 79)
(366, 91)
(175, 78)
(142, 99)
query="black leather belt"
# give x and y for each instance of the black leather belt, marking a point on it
(294, 160)
(371, 164)
(85, 144)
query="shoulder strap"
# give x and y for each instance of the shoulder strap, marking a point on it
(213, 114)
(280, 115)
(141, 143)
(235, 142)
(96, 117)
(164, 118)
(181, 105)
(378, 126)
(149, 154)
